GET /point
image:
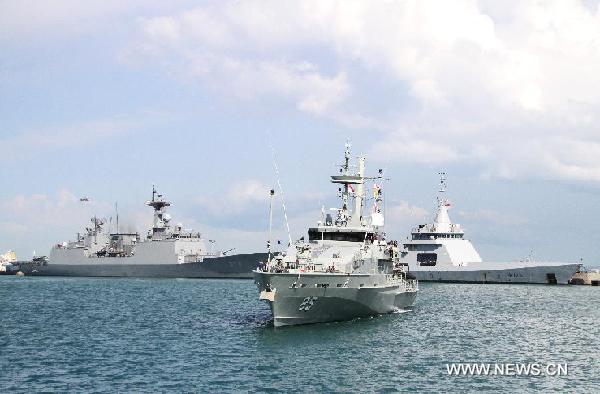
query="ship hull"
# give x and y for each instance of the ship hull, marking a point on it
(541, 274)
(235, 266)
(311, 304)
(8, 272)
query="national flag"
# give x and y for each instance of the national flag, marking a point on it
(376, 191)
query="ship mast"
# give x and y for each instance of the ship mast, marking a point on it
(442, 219)
(353, 190)
(117, 214)
(443, 184)
(161, 220)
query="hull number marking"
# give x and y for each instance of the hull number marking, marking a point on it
(307, 303)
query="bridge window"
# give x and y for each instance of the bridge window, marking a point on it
(427, 259)
(315, 235)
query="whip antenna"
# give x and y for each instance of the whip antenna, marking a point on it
(271, 194)
(287, 223)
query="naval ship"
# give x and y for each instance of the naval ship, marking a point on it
(439, 252)
(166, 252)
(346, 269)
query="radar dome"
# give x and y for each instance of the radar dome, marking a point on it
(377, 219)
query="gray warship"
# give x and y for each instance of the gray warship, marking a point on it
(346, 269)
(440, 252)
(165, 252)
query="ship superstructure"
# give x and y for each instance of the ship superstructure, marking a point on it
(440, 252)
(347, 269)
(7, 263)
(440, 243)
(162, 244)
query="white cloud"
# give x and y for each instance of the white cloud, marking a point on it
(310, 91)
(239, 197)
(47, 139)
(37, 221)
(401, 216)
(398, 148)
(26, 20)
(300, 83)
(39, 211)
(216, 44)
(495, 86)
(573, 159)
(493, 218)
(245, 195)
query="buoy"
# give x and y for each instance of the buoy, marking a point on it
(19, 273)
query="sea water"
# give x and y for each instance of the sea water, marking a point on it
(143, 335)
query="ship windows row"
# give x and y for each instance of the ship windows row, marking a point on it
(315, 235)
(427, 236)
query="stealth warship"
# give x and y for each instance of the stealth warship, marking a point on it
(166, 251)
(346, 269)
(440, 252)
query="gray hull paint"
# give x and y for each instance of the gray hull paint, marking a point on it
(524, 275)
(235, 266)
(293, 306)
(338, 305)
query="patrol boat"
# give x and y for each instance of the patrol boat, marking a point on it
(165, 252)
(346, 269)
(439, 252)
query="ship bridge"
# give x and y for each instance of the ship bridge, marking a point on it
(345, 234)
(348, 224)
(441, 239)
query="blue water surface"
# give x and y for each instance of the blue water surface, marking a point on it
(143, 335)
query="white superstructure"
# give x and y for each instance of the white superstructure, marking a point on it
(441, 243)
(439, 251)
(7, 261)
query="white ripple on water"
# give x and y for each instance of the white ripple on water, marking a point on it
(400, 310)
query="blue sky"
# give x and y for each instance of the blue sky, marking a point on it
(103, 99)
